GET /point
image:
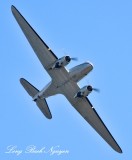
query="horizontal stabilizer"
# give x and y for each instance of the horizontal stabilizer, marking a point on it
(43, 106)
(32, 91)
(41, 103)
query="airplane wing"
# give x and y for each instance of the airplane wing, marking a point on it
(87, 111)
(43, 52)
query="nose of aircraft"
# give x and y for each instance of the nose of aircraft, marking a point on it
(89, 64)
(86, 68)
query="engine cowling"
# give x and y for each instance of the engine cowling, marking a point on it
(61, 62)
(84, 92)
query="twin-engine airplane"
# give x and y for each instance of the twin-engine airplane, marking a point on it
(63, 82)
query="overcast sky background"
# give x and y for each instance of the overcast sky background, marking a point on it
(95, 31)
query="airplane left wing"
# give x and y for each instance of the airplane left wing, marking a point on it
(43, 52)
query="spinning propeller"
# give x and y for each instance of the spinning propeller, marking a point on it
(74, 59)
(68, 58)
(96, 90)
(90, 88)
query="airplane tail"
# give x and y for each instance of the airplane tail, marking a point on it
(41, 103)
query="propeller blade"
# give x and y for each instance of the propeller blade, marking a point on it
(74, 59)
(96, 90)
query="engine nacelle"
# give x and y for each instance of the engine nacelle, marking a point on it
(84, 92)
(61, 62)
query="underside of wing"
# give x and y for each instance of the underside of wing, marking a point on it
(85, 108)
(43, 52)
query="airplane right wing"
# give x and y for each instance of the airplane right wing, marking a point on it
(87, 111)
